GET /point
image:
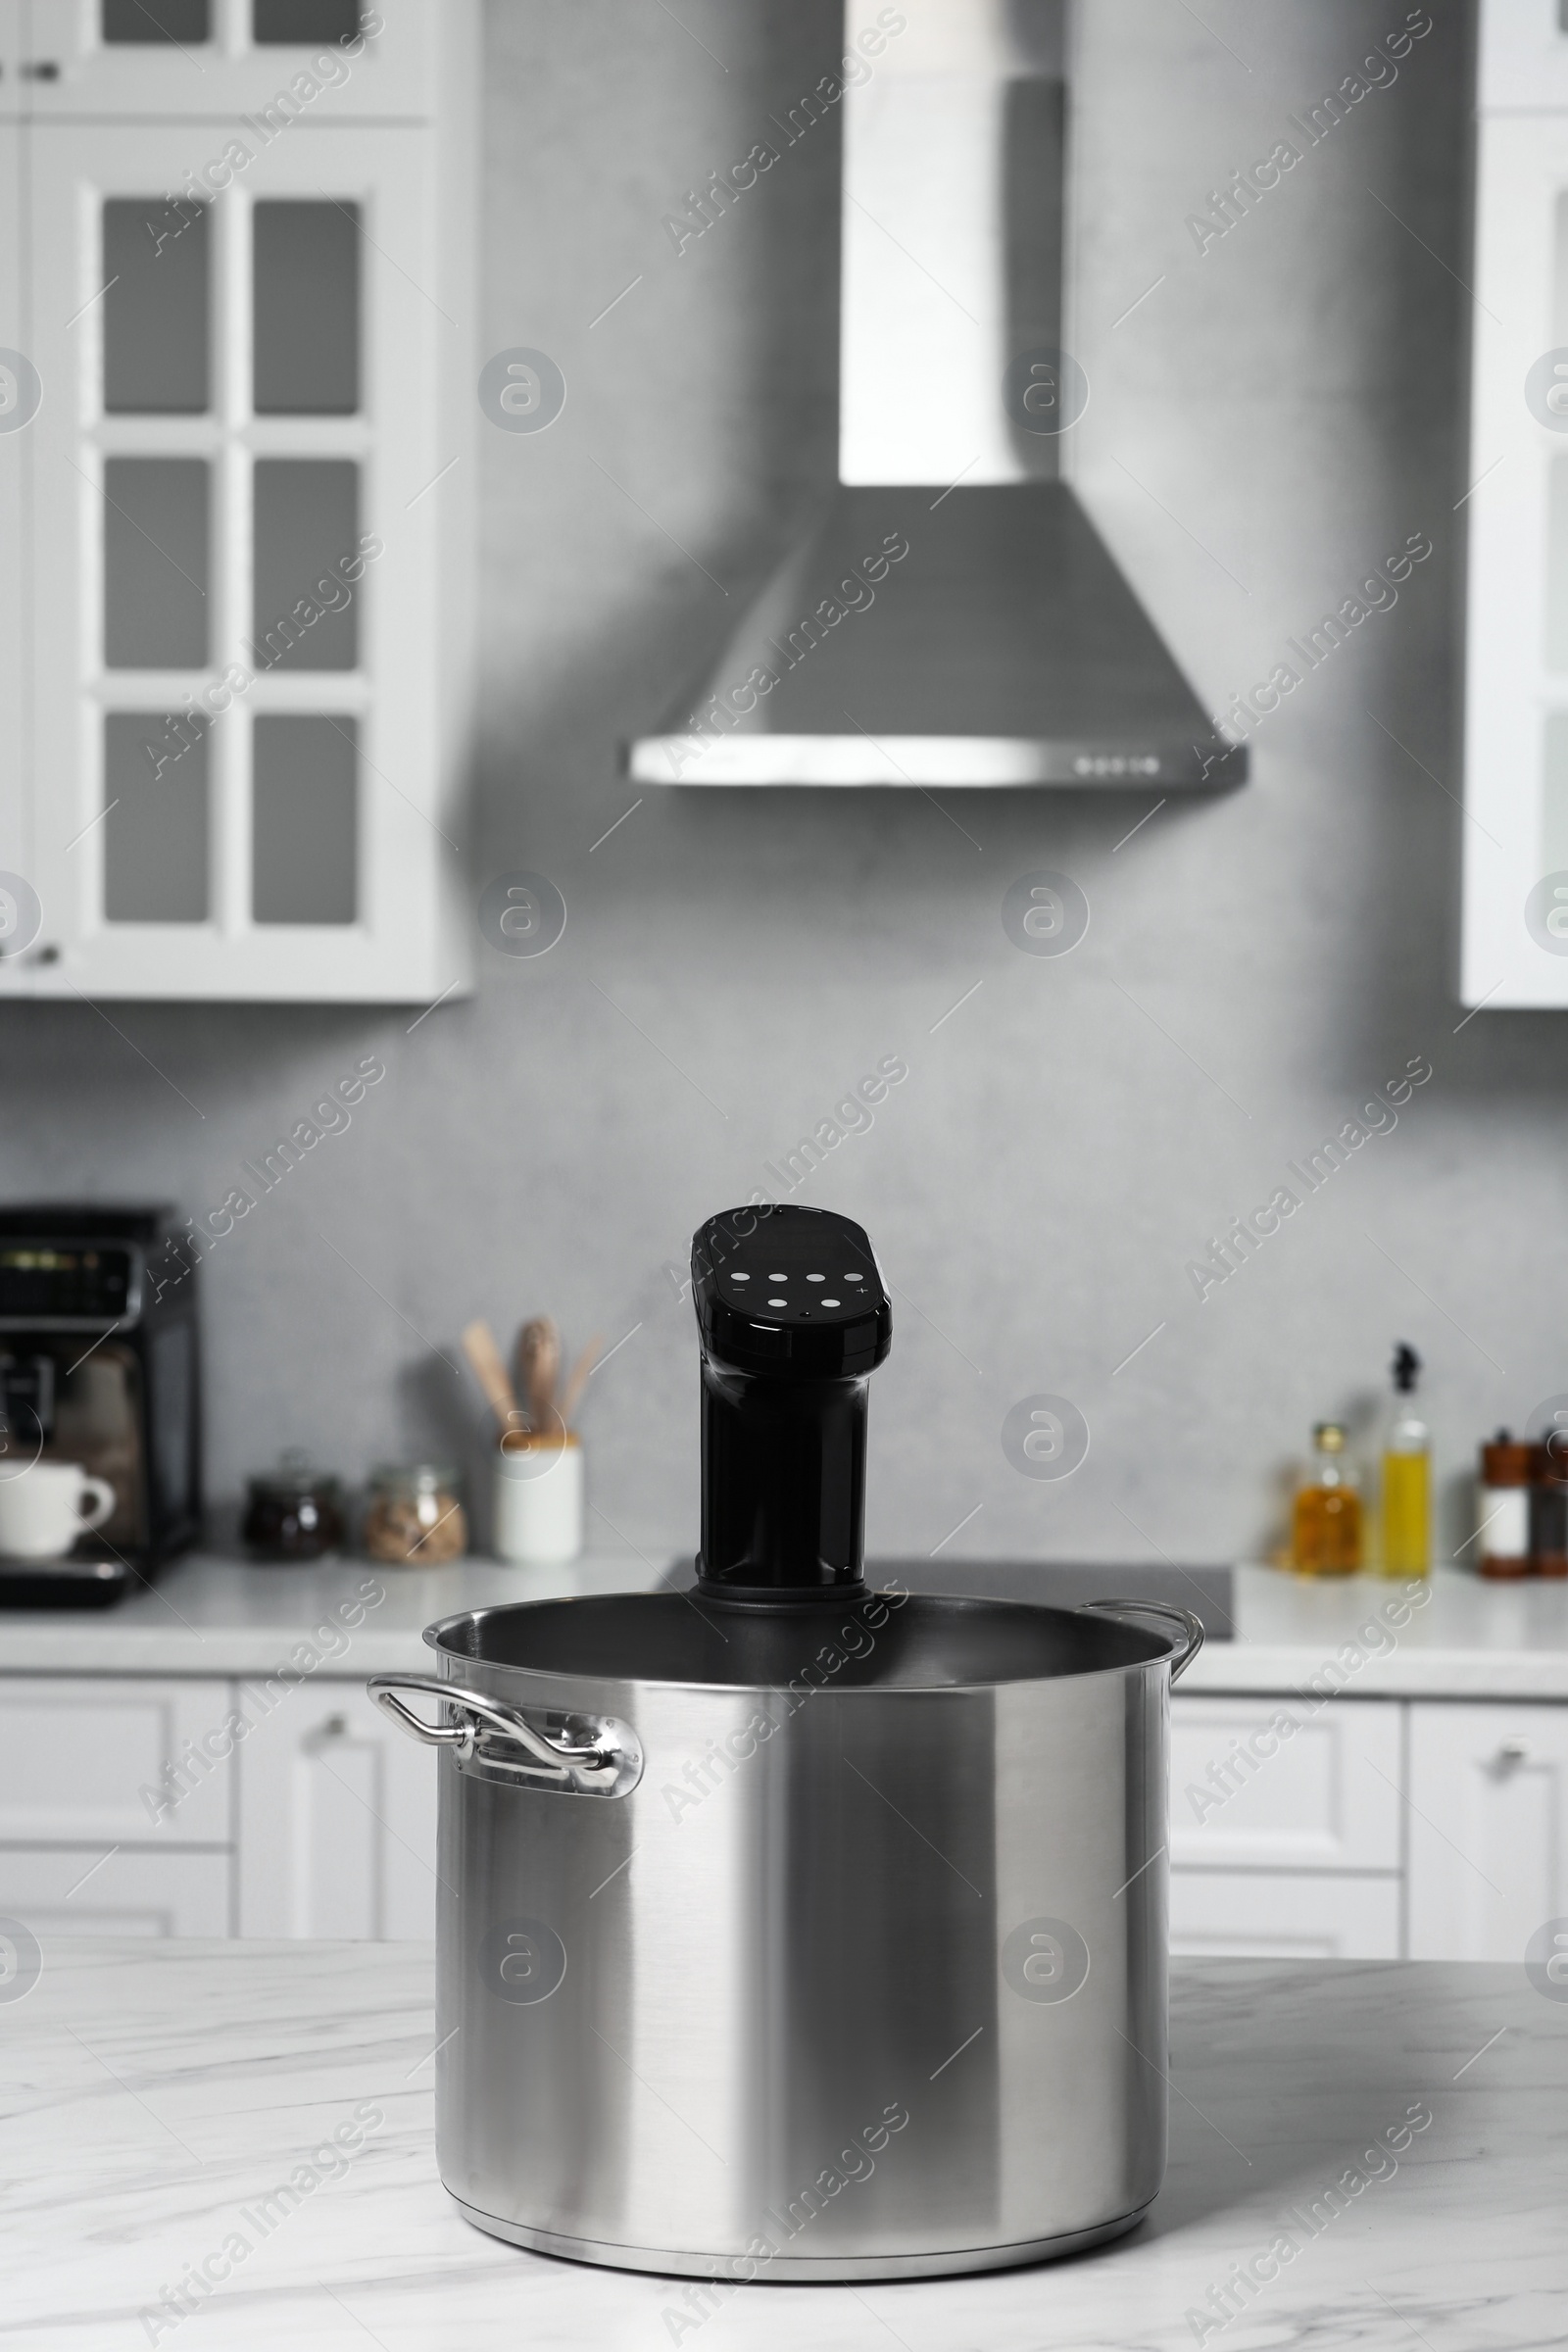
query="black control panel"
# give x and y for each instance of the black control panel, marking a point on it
(790, 1289)
(53, 1283)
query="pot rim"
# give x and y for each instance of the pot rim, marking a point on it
(1169, 1651)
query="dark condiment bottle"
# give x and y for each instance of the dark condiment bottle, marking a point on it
(1548, 1505)
(1503, 1501)
(294, 1512)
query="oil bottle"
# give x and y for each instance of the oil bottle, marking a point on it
(1407, 1475)
(1326, 1522)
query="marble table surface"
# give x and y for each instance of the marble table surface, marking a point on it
(1450, 1637)
(153, 2094)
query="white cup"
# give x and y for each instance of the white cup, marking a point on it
(41, 1511)
(538, 1502)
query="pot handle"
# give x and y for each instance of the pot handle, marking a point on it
(1190, 1625)
(482, 1714)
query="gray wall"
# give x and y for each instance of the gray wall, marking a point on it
(1277, 415)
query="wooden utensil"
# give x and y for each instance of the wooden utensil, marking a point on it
(479, 1347)
(539, 1368)
(579, 1377)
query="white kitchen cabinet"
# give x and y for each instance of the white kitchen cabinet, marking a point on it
(87, 1762)
(338, 1821)
(1489, 1829)
(240, 517)
(1278, 1915)
(1515, 510)
(62, 1890)
(1326, 1798)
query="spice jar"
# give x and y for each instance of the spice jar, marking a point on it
(1504, 1506)
(1548, 1505)
(294, 1512)
(413, 1515)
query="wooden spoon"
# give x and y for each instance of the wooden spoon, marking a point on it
(479, 1347)
(579, 1377)
(539, 1368)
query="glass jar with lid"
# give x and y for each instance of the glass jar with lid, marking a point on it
(294, 1512)
(413, 1515)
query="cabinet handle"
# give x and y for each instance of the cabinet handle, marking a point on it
(1510, 1753)
(40, 70)
(327, 1734)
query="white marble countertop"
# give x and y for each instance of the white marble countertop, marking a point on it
(152, 2094)
(1447, 1636)
(1460, 1638)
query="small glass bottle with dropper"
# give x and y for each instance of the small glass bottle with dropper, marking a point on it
(1326, 1522)
(1407, 1475)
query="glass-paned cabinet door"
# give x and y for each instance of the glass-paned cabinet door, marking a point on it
(16, 407)
(243, 782)
(1515, 928)
(279, 62)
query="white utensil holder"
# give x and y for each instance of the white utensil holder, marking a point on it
(538, 1501)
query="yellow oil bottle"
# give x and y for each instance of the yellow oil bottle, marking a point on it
(1406, 1546)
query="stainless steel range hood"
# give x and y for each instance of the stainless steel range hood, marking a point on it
(951, 617)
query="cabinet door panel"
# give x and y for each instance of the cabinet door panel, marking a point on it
(91, 1761)
(1515, 944)
(338, 1821)
(1489, 1829)
(1271, 1915)
(16, 440)
(62, 1891)
(206, 570)
(289, 62)
(1326, 1798)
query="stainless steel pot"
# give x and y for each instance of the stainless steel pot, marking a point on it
(825, 1943)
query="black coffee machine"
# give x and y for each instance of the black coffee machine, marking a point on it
(98, 1364)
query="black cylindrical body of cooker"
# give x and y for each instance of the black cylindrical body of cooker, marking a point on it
(792, 1318)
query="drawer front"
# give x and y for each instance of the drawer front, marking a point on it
(62, 1891)
(1283, 1915)
(1246, 1791)
(110, 1761)
(1489, 1830)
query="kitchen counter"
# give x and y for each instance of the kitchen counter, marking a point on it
(155, 2094)
(1461, 1638)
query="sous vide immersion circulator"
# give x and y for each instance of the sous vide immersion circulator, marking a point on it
(792, 1318)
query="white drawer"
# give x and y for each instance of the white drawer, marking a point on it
(1325, 1796)
(62, 1891)
(112, 1761)
(1269, 1915)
